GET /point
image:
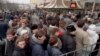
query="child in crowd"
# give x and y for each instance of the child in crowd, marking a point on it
(20, 47)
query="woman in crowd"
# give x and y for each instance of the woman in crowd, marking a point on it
(23, 26)
(25, 35)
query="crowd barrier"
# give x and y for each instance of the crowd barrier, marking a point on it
(85, 51)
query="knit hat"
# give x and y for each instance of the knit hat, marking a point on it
(23, 32)
(70, 28)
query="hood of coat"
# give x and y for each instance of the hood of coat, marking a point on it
(92, 27)
(91, 33)
(91, 30)
(35, 40)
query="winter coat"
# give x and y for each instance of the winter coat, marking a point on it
(97, 29)
(54, 51)
(93, 36)
(28, 49)
(82, 38)
(37, 49)
(7, 47)
(2, 48)
(3, 29)
(35, 19)
(68, 43)
(19, 52)
(46, 41)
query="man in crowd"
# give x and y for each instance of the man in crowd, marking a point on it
(3, 27)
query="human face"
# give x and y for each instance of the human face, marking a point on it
(48, 22)
(15, 20)
(10, 37)
(42, 38)
(21, 44)
(23, 24)
(62, 24)
(72, 33)
(26, 35)
(41, 21)
(34, 31)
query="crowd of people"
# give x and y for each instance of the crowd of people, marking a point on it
(47, 34)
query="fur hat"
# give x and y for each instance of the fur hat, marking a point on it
(70, 28)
